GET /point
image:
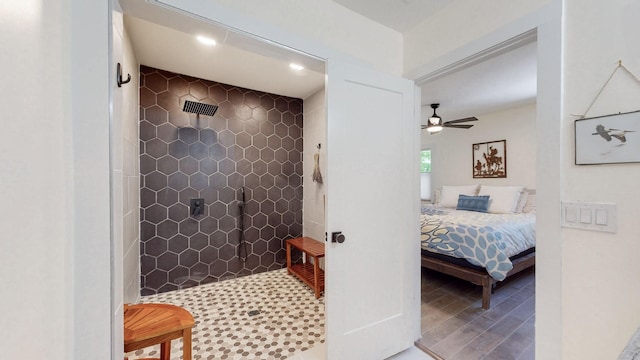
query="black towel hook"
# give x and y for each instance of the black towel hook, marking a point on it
(119, 76)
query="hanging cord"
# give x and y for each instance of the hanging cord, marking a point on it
(605, 85)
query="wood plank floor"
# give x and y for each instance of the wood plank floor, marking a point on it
(455, 327)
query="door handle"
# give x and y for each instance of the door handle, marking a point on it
(337, 236)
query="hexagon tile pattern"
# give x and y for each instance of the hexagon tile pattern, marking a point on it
(267, 316)
(253, 141)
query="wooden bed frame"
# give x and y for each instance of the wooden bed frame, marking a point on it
(477, 277)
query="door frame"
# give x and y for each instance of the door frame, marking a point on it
(545, 26)
(233, 23)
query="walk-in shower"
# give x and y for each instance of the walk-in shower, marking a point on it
(239, 160)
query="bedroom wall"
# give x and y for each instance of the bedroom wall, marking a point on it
(451, 149)
(600, 270)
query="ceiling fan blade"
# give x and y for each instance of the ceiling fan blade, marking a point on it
(461, 126)
(473, 118)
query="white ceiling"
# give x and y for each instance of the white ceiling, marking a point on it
(400, 15)
(167, 41)
(235, 60)
(498, 83)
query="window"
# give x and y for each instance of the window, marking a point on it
(425, 174)
(425, 161)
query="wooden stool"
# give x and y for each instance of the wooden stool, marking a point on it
(152, 324)
(312, 275)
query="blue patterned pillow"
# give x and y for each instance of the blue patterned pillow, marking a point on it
(473, 203)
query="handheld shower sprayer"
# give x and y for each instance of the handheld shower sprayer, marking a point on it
(242, 198)
(242, 245)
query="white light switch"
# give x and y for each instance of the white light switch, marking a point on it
(601, 217)
(589, 216)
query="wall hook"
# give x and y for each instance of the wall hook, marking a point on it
(119, 76)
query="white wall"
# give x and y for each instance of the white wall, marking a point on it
(130, 174)
(36, 261)
(125, 183)
(117, 190)
(600, 270)
(451, 149)
(54, 208)
(87, 46)
(429, 45)
(315, 132)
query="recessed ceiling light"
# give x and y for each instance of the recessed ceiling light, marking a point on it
(205, 40)
(296, 67)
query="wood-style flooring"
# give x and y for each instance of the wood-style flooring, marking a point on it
(455, 327)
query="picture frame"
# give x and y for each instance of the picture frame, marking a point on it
(490, 159)
(609, 139)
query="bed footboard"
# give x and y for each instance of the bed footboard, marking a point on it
(477, 277)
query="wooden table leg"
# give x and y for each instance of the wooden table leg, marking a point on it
(186, 344)
(165, 350)
(316, 276)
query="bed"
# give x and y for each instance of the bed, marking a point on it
(483, 246)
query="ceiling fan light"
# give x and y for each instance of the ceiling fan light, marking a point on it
(433, 128)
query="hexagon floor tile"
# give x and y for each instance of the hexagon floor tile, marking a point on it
(290, 319)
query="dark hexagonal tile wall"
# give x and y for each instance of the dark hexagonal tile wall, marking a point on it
(253, 141)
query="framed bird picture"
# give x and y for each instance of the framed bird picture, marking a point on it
(608, 139)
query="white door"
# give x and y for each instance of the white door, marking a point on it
(373, 277)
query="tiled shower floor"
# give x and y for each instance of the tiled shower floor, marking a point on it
(290, 318)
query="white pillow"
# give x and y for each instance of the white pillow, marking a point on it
(530, 206)
(504, 199)
(524, 195)
(449, 194)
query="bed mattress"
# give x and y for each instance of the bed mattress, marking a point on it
(484, 240)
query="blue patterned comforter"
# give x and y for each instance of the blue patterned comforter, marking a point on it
(483, 239)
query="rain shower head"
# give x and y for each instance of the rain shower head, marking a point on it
(199, 108)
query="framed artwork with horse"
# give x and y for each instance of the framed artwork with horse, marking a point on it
(490, 159)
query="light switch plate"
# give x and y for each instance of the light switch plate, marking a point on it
(602, 217)
(593, 216)
(585, 215)
(570, 214)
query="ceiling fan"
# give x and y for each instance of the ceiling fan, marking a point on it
(435, 124)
